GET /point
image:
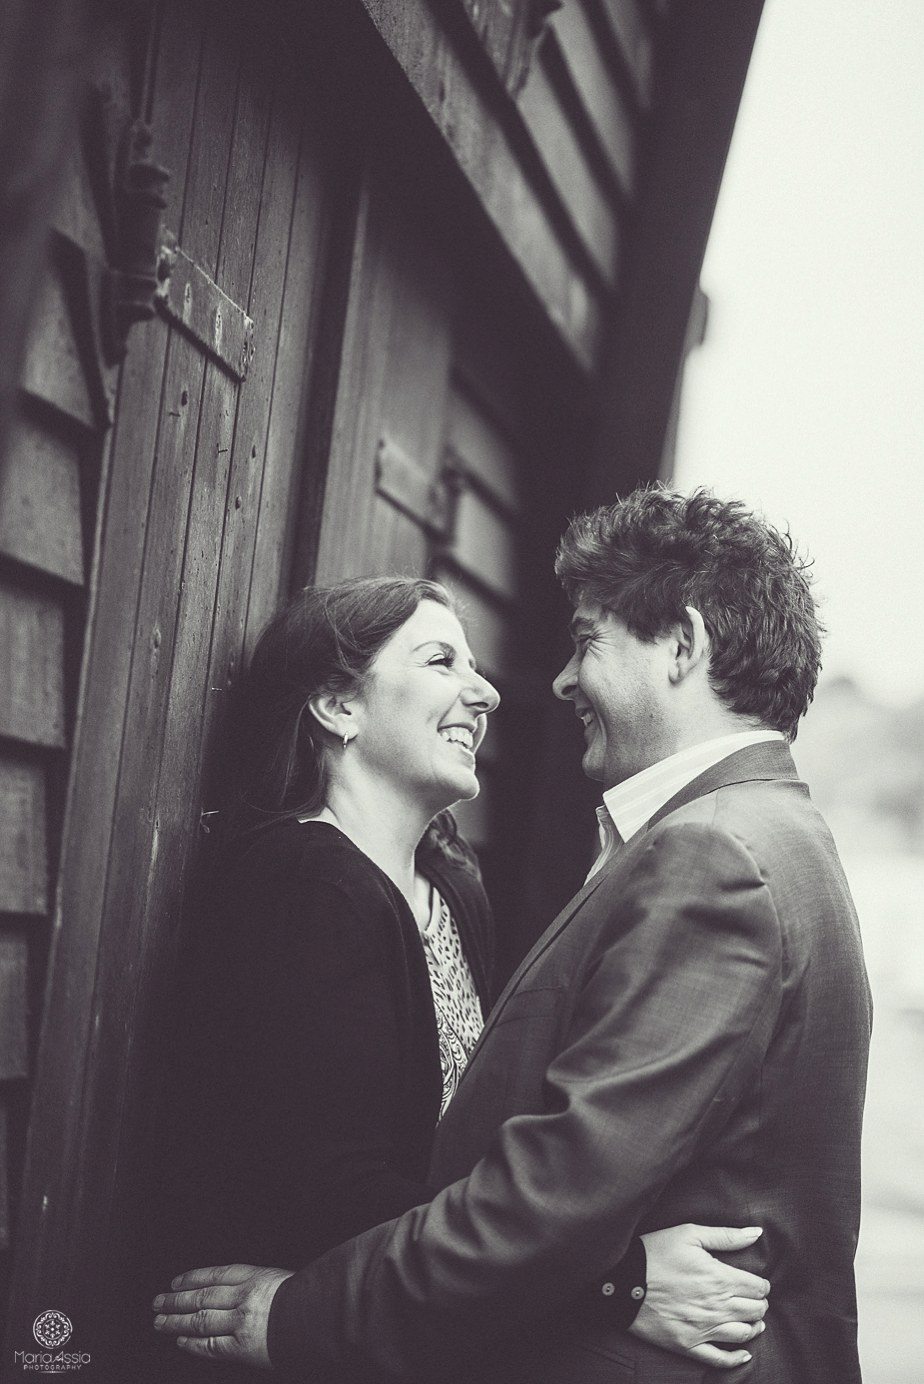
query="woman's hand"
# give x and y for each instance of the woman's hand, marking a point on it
(694, 1300)
(222, 1313)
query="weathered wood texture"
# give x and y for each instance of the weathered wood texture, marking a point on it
(13, 1037)
(392, 385)
(38, 78)
(201, 474)
(32, 667)
(40, 520)
(23, 856)
(49, 466)
(551, 147)
(487, 138)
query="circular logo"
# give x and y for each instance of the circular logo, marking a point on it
(52, 1329)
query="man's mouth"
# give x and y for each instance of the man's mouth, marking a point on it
(459, 735)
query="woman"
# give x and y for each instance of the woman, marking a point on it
(344, 988)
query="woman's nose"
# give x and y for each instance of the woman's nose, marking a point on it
(564, 685)
(481, 694)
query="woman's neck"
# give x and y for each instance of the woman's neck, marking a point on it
(386, 829)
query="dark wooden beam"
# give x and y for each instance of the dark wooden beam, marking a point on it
(704, 61)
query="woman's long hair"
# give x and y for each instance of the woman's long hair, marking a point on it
(324, 640)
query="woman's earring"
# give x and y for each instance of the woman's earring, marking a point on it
(346, 739)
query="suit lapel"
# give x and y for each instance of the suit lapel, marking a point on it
(533, 955)
(761, 763)
(765, 761)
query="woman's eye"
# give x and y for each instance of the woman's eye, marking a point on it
(441, 660)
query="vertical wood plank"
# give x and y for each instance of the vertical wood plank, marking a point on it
(285, 451)
(233, 564)
(394, 381)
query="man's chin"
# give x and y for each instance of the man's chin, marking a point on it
(591, 765)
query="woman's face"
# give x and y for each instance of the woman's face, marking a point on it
(420, 716)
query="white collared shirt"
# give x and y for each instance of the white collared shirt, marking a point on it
(627, 807)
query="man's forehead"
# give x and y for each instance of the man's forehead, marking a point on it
(587, 613)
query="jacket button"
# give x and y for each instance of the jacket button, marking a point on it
(608, 1289)
(637, 1294)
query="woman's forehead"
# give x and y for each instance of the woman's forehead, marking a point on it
(431, 622)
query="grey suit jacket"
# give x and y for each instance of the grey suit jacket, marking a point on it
(686, 1042)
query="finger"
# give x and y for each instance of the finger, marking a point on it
(203, 1323)
(740, 1309)
(736, 1333)
(719, 1359)
(204, 1278)
(209, 1348)
(723, 1237)
(740, 1283)
(192, 1299)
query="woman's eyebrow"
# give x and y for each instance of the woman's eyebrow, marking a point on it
(447, 649)
(438, 643)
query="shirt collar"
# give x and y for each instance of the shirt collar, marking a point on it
(634, 802)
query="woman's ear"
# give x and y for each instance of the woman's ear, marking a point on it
(334, 712)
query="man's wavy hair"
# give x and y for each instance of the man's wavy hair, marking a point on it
(651, 554)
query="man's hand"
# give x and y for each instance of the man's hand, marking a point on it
(693, 1299)
(221, 1314)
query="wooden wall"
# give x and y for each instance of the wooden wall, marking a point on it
(190, 480)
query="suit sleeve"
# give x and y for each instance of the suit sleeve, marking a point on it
(675, 1009)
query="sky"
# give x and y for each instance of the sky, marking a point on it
(807, 397)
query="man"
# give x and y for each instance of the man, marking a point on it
(687, 1041)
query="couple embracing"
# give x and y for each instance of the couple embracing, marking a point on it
(684, 1047)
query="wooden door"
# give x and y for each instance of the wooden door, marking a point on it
(195, 520)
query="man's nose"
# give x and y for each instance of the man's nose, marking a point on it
(565, 683)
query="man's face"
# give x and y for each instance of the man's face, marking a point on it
(617, 683)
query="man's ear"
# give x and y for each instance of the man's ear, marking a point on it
(691, 644)
(334, 712)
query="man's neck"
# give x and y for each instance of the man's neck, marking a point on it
(633, 801)
(710, 723)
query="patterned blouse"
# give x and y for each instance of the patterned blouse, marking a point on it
(459, 1019)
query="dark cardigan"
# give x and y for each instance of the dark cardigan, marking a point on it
(318, 1082)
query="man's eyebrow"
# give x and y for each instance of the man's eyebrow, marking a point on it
(580, 624)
